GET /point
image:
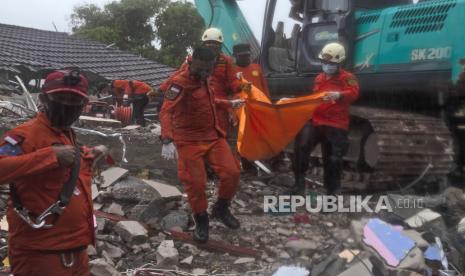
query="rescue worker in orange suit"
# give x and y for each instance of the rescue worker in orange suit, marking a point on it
(330, 122)
(224, 79)
(190, 129)
(50, 176)
(252, 72)
(118, 87)
(137, 92)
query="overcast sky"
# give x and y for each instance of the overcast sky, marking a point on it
(41, 14)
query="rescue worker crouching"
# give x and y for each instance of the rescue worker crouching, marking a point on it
(139, 92)
(50, 208)
(191, 130)
(330, 122)
(118, 88)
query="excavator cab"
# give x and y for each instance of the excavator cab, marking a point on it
(292, 41)
(295, 31)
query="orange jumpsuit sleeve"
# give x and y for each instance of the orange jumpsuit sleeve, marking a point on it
(350, 90)
(317, 83)
(39, 161)
(166, 115)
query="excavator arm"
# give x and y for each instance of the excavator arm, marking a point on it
(227, 16)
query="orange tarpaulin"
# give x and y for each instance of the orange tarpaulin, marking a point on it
(266, 128)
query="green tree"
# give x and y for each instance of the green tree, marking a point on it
(155, 29)
(179, 28)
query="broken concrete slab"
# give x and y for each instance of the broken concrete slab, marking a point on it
(240, 203)
(199, 271)
(115, 208)
(95, 191)
(300, 245)
(179, 219)
(99, 267)
(349, 255)
(154, 211)
(359, 269)
(164, 190)
(97, 206)
(94, 122)
(461, 228)
(188, 260)
(425, 216)
(112, 175)
(244, 260)
(131, 127)
(167, 254)
(356, 228)
(132, 232)
(91, 251)
(107, 258)
(284, 232)
(4, 224)
(113, 251)
(132, 189)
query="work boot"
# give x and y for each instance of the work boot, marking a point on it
(201, 227)
(299, 186)
(221, 211)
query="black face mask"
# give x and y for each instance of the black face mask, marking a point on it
(201, 75)
(243, 61)
(62, 116)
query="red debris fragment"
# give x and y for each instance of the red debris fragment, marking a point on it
(301, 218)
(213, 245)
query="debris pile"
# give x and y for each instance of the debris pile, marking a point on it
(144, 226)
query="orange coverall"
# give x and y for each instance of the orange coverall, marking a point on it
(336, 114)
(33, 167)
(224, 81)
(189, 117)
(119, 89)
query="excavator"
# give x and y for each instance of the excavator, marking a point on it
(409, 122)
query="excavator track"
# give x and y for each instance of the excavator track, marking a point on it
(390, 149)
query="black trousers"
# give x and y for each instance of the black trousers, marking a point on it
(140, 101)
(334, 145)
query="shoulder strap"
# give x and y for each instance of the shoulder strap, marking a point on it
(68, 187)
(66, 191)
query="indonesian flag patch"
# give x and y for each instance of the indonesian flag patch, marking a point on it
(173, 92)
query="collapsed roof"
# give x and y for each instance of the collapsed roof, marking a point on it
(30, 51)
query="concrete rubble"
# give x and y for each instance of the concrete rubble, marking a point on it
(144, 224)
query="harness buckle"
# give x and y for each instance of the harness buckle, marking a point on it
(64, 260)
(56, 208)
(24, 214)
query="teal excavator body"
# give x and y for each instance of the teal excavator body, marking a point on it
(427, 37)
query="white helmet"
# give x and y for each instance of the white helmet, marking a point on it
(213, 34)
(333, 52)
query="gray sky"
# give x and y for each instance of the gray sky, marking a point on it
(40, 14)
